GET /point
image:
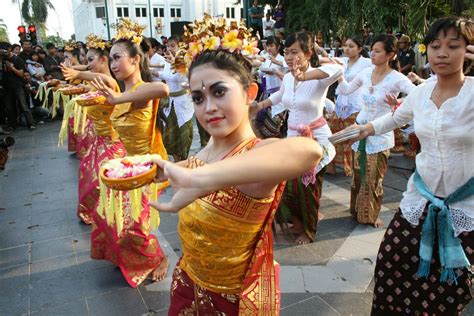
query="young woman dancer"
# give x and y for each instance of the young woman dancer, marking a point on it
(228, 193)
(348, 106)
(371, 155)
(105, 144)
(135, 250)
(425, 259)
(305, 101)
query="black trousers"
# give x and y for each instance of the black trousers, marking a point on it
(15, 101)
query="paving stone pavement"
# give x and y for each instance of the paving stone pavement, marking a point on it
(45, 268)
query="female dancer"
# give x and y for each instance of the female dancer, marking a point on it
(272, 122)
(105, 144)
(135, 250)
(347, 106)
(424, 261)
(305, 100)
(371, 155)
(227, 195)
(178, 111)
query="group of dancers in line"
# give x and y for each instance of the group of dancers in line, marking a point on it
(228, 194)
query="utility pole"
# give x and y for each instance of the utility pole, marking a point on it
(150, 13)
(107, 18)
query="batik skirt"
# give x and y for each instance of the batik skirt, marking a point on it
(101, 149)
(302, 202)
(344, 151)
(398, 291)
(367, 193)
(177, 140)
(135, 250)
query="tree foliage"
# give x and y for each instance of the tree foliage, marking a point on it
(347, 17)
(3, 31)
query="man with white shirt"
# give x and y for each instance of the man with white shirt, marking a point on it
(268, 26)
(157, 62)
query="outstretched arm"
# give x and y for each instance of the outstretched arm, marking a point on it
(257, 171)
(72, 74)
(140, 97)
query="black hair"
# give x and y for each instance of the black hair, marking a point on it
(15, 45)
(50, 45)
(235, 64)
(273, 40)
(390, 46)
(75, 52)
(360, 44)
(145, 45)
(306, 42)
(133, 50)
(174, 38)
(463, 27)
(154, 43)
(5, 45)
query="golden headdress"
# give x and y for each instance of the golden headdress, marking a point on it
(129, 30)
(96, 42)
(209, 34)
(69, 46)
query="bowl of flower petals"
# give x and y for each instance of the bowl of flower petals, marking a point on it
(91, 98)
(72, 90)
(128, 173)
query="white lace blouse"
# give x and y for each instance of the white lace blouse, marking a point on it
(306, 101)
(373, 103)
(446, 160)
(346, 105)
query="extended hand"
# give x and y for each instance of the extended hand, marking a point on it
(186, 189)
(392, 101)
(111, 95)
(68, 72)
(470, 53)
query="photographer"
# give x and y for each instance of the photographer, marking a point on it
(12, 76)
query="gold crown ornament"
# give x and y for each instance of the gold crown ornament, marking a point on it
(96, 42)
(209, 35)
(69, 46)
(129, 30)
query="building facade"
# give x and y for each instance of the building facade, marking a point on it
(90, 16)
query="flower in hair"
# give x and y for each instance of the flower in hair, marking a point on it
(211, 42)
(231, 41)
(422, 48)
(70, 45)
(96, 42)
(129, 30)
(195, 48)
(250, 48)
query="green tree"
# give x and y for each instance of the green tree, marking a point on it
(3, 31)
(55, 39)
(36, 12)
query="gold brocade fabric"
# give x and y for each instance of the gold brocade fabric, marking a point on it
(136, 128)
(219, 233)
(100, 115)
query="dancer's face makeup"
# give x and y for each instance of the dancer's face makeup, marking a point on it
(220, 101)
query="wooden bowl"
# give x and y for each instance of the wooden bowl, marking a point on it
(131, 183)
(71, 90)
(100, 99)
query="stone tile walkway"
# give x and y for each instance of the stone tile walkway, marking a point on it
(45, 268)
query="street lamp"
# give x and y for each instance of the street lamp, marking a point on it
(106, 22)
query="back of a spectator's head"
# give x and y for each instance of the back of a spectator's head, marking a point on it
(50, 46)
(154, 43)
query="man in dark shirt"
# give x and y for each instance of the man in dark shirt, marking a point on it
(406, 55)
(52, 61)
(255, 18)
(12, 81)
(26, 50)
